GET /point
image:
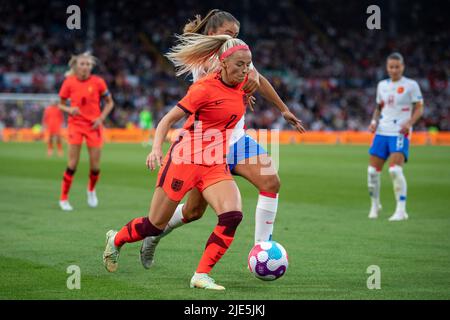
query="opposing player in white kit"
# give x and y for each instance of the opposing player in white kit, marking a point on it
(399, 106)
(242, 148)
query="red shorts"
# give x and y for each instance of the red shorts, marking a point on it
(54, 131)
(177, 179)
(94, 137)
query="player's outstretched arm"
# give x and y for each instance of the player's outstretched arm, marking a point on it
(156, 155)
(269, 93)
(252, 84)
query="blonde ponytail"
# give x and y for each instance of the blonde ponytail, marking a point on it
(195, 51)
(194, 26)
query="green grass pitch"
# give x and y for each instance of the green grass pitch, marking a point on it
(322, 222)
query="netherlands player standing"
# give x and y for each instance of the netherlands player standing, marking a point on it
(197, 159)
(399, 106)
(84, 91)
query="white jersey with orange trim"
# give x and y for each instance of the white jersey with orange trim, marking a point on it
(397, 102)
(239, 129)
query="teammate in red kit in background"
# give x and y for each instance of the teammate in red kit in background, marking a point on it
(84, 91)
(52, 121)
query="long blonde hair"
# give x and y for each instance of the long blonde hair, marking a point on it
(196, 51)
(74, 59)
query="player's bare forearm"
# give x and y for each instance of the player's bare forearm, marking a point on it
(269, 93)
(375, 118)
(376, 113)
(109, 105)
(417, 114)
(164, 125)
(63, 106)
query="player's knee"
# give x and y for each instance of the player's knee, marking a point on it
(395, 171)
(193, 213)
(270, 184)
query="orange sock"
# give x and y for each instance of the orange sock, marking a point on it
(66, 183)
(135, 230)
(219, 241)
(94, 175)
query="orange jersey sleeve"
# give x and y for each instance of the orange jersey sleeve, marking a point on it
(196, 97)
(64, 92)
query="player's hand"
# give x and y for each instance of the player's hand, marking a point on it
(251, 100)
(97, 123)
(73, 111)
(154, 158)
(405, 128)
(373, 126)
(294, 121)
(252, 84)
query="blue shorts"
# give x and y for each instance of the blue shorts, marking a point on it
(246, 147)
(383, 146)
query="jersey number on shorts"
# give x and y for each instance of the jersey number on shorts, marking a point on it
(400, 140)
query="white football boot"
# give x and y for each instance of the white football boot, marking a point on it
(92, 199)
(374, 211)
(204, 281)
(65, 205)
(399, 216)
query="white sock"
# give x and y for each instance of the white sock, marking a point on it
(266, 210)
(374, 183)
(400, 187)
(174, 222)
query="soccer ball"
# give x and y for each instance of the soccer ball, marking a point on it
(268, 260)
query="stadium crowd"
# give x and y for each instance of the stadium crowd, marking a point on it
(321, 59)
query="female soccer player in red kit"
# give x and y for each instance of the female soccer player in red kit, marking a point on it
(85, 91)
(214, 105)
(246, 158)
(53, 120)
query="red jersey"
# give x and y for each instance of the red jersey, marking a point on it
(53, 118)
(214, 108)
(86, 95)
